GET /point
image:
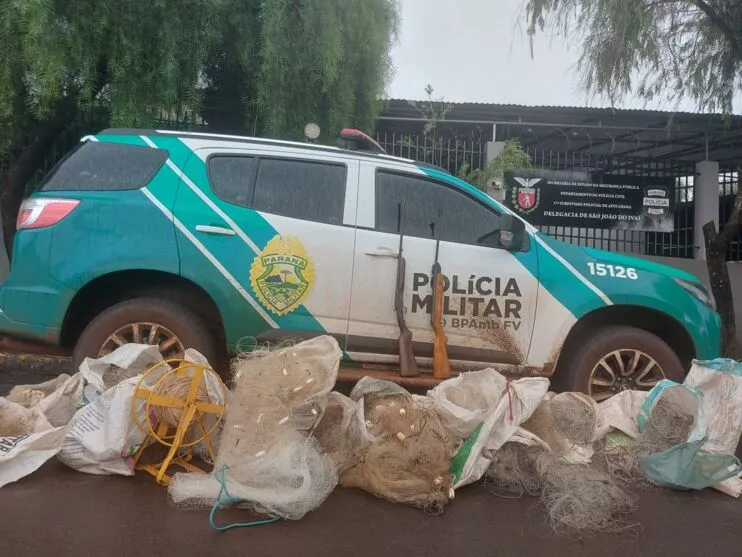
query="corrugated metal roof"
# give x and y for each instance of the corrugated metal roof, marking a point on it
(566, 114)
(630, 132)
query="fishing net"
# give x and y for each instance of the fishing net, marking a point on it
(581, 498)
(575, 417)
(567, 423)
(668, 425)
(513, 471)
(577, 497)
(266, 458)
(173, 386)
(288, 479)
(407, 459)
(342, 432)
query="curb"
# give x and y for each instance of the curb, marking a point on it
(52, 365)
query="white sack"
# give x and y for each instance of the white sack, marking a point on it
(58, 398)
(27, 441)
(103, 437)
(621, 411)
(720, 381)
(127, 361)
(517, 400)
(463, 401)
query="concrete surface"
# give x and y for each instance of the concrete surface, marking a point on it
(60, 512)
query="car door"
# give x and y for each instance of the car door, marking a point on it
(490, 297)
(278, 223)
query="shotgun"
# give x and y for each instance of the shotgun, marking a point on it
(441, 365)
(407, 363)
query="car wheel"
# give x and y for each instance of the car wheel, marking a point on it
(168, 325)
(615, 359)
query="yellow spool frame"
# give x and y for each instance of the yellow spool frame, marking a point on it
(192, 414)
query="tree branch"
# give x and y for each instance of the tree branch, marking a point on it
(719, 21)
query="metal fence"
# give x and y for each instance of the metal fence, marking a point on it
(446, 151)
(729, 184)
(452, 153)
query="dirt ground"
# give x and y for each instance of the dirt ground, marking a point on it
(59, 512)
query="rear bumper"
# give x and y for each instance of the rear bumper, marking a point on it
(29, 339)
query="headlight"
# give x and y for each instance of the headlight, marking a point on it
(699, 292)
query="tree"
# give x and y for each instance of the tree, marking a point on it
(717, 244)
(283, 63)
(671, 49)
(491, 179)
(63, 58)
(267, 66)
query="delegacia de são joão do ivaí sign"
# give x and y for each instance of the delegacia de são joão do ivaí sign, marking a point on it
(579, 199)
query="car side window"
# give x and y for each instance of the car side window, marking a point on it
(233, 178)
(464, 220)
(300, 189)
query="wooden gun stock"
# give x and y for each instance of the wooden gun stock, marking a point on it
(441, 365)
(407, 363)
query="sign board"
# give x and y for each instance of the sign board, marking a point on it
(579, 199)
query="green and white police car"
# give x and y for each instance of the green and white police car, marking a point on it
(201, 240)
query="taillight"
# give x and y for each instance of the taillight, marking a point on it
(42, 212)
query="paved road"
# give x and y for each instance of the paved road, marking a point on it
(59, 512)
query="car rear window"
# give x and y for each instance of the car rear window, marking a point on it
(103, 166)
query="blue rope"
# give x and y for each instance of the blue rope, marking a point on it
(224, 498)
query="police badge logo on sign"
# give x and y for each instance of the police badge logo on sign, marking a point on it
(526, 198)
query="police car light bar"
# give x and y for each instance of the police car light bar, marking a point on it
(356, 140)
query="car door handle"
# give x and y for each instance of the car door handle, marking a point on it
(382, 252)
(208, 229)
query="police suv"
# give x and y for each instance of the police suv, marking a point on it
(217, 242)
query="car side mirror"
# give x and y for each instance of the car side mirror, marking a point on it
(509, 235)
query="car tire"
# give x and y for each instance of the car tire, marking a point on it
(190, 330)
(617, 347)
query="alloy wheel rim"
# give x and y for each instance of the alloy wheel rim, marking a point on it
(154, 334)
(623, 370)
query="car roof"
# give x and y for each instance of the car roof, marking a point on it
(258, 140)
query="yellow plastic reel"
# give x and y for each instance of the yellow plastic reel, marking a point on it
(192, 412)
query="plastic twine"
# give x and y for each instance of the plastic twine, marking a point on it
(224, 499)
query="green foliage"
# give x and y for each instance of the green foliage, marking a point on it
(326, 62)
(669, 49)
(492, 177)
(270, 65)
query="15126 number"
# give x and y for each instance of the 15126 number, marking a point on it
(617, 271)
